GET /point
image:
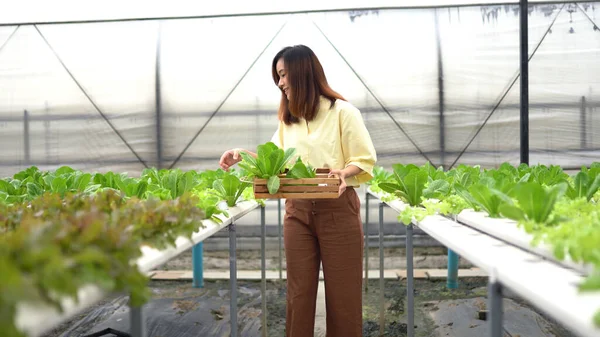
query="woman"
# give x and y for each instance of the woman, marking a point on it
(327, 132)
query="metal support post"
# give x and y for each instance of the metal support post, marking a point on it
(233, 279)
(582, 125)
(138, 321)
(524, 98)
(440, 91)
(495, 306)
(47, 132)
(452, 280)
(158, 100)
(381, 280)
(366, 234)
(26, 146)
(197, 266)
(410, 291)
(263, 276)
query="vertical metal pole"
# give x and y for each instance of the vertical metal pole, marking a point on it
(47, 132)
(410, 292)
(138, 321)
(257, 127)
(263, 275)
(366, 233)
(197, 265)
(381, 281)
(452, 280)
(495, 306)
(440, 91)
(582, 128)
(233, 279)
(279, 237)
(524, 38)
(26, 147)
(157, 83)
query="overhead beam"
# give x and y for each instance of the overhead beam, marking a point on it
(21, 14)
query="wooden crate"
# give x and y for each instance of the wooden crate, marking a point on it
(320, 187)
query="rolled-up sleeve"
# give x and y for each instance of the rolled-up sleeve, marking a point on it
(357, 145)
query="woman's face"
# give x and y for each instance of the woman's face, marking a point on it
(283, 78)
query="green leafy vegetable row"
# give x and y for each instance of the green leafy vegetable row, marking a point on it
(210, 186)
(63, 229)
(52, 246)
(556, 208)
(163, 184)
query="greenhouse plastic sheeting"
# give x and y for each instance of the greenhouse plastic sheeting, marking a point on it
(438, 85)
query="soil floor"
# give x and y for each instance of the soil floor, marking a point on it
(177, 309)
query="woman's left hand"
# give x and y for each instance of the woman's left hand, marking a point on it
(342, 176)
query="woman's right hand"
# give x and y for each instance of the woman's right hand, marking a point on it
(230, 158)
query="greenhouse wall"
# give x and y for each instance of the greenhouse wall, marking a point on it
(434, 84)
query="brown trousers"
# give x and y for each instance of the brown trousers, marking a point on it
(327, 230)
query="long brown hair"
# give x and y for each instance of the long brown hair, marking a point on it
(307, 84)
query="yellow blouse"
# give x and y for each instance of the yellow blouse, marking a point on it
(336, 138)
